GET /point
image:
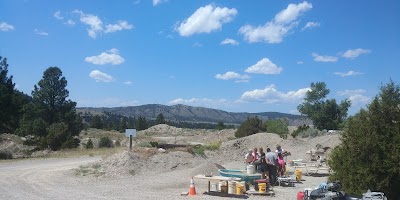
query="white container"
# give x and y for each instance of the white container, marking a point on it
(251, 169)
(232, 188)
(214, 186)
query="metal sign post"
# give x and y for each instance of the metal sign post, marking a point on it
(130, 133)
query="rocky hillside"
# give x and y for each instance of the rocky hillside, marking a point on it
(193, 114)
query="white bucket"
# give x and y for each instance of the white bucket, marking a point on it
(214, 186)
(232, 188)
(251, 169)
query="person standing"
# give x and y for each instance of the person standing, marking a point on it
(272, 162)
(263, 164)
(256, 157)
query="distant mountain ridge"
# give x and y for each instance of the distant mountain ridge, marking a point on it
(193, 114)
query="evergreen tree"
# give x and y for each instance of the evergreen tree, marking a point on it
(160, 119)
(251, 126)
(141, 123)
(11, 101)
(325, 114)
(123, 125)
(50, 108)
(278, 126)
(220, 126)
(96, 122)
(369, 155)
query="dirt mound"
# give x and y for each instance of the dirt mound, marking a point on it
(12, 146)
(206, 168)
(161, 129)
(234, 150)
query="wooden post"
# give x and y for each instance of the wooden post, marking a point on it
(130, 142)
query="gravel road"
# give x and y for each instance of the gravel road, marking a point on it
(56, 179)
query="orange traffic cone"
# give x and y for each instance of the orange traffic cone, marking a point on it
(192, 190)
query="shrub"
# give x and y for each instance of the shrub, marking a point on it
(89, 144)
(278, 126)
(154, 144)
(105, 142)
(213, 145)
(118, 143)
(300, 129)
(5, 155)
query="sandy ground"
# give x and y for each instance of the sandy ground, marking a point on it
(147, 173)
(56, 179)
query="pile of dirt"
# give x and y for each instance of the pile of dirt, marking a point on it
(161, 130)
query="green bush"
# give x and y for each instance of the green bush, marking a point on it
(118, 143)
(278, 126)
(154, 144)
(199, 150)
(105, 142)
(213, 145)
(5, 155)
(300, 129)
(89, 144)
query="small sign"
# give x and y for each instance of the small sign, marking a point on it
(130, 132)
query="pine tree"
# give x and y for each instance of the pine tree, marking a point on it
(369, 155)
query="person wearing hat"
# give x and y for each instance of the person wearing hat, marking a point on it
(248, 158)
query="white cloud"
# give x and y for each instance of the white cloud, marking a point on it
(229, 41)
(96, 25)
(300, 62)
(100, 76)
(203, 102)
(271, 95)
(58, 16)
(128, 82)
(351, 54)
(233, 75)
(264, 66)
(274, 30)
(70, 22)
(321, 58)
(355, 96)
(205, 20)
(197, 44)
(93, 21)
(292, 12)
(310, 25)
(109, 57)
(349, 73)
(121, 25)
(6, 27)
(42, 33)
(157, 2)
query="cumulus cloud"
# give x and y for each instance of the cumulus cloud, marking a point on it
(300, 62)
(70, 22)
(354, 53)
(58, 16)
(100, 76)
(121, 25)
(349, 73)
(42, 33)
(96, 25)
(204, 102)
(6, 27)
(229, 41)
(233, 75)
(264, 66)
(355, 96)
(128, 82)
(310, 25)
(206, 19)
(157, 2)
(271, 95)
(109, 57)
(321, 58)
(274, 30)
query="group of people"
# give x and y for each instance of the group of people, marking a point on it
(269, 164)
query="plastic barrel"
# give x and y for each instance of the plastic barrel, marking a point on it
(262, 187)
(214, 186)
(299, 174)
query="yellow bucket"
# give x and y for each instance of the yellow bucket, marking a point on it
(239, 188)
(262, 187)
(299, 174)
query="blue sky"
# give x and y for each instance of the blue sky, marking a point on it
(240, 56)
